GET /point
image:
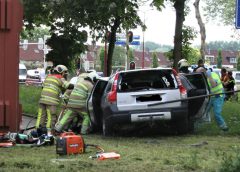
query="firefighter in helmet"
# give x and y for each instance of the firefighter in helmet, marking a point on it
(183, 66)
(77, 103)
(53, 86)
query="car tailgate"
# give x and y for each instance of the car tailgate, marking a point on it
(141, 99)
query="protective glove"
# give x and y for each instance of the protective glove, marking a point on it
(208, 73)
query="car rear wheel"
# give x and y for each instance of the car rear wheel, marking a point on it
(180, 126)
(107, 128)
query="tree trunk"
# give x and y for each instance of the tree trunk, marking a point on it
(112, 45)
(202, 28)
(177, 51)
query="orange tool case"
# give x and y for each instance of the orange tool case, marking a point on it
(69, 143)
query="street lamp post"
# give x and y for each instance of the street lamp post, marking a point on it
(143, 52)
(41, 46)
(143, 43)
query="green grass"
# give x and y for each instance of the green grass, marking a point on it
(137, 154)
(29, 97)
(208, 149)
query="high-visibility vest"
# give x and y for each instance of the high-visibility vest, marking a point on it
(80, 93)
(52, 88)
(219, 88)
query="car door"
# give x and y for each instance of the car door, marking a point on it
(94, 103)
(197, 107)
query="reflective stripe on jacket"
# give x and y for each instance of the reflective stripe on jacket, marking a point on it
(219, 88)
(52, 88)
(80, 93)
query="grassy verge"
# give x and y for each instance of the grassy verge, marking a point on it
(29, 97)
(208, 149)
(185, 153)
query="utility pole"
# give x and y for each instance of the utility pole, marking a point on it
(127, 50)
(105, 56)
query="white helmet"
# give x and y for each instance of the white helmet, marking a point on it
(61, 69)
(182, 63)
(93, 76)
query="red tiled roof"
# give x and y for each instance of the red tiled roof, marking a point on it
(225, 56)
(31, 54)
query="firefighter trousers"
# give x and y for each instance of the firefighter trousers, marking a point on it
(69, 115)
(46, 116)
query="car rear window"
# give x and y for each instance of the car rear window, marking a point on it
(146, 79)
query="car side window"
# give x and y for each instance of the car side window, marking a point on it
(109, 85)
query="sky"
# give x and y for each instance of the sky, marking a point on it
(161, 27)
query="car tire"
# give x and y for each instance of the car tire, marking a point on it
(107, 128)
(181, 126)
(191, 128)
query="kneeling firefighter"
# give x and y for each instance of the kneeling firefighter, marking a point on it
(77, 103)
(53, 86)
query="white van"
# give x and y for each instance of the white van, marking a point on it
(22, 73)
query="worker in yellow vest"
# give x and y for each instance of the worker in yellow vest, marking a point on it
(216, 101)
(77, 103)
(53, 86)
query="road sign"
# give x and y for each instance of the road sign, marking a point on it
(121, 40)
(237, 22)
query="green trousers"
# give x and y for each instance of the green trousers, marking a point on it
(69, 115)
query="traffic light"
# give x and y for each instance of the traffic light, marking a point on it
(108, 36)
(130, 36)
(132, 65)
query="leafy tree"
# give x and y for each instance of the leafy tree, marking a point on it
(154, 60)
(188, 34)
(37, 32)
(151, 46)
(119, 55)
(179, 6)
(202, 28)
(222, 10)
(219, 59)
(187, 52)
(238, 61)
(64, 49)
(224, 45)
(101, 55)
(67, 17)
(131, 55)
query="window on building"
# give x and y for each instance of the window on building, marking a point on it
(233, 60)
(209, 59)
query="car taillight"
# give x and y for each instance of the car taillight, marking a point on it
(112, 95)
(182, 89)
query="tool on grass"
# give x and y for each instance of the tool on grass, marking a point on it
(68, 143)
(106, 155)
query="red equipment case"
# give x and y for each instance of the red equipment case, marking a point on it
(69, 143)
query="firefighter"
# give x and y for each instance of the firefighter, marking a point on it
(77, 103)
(183, 66)
(53, 86)
(183, 69)
(216, 101)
